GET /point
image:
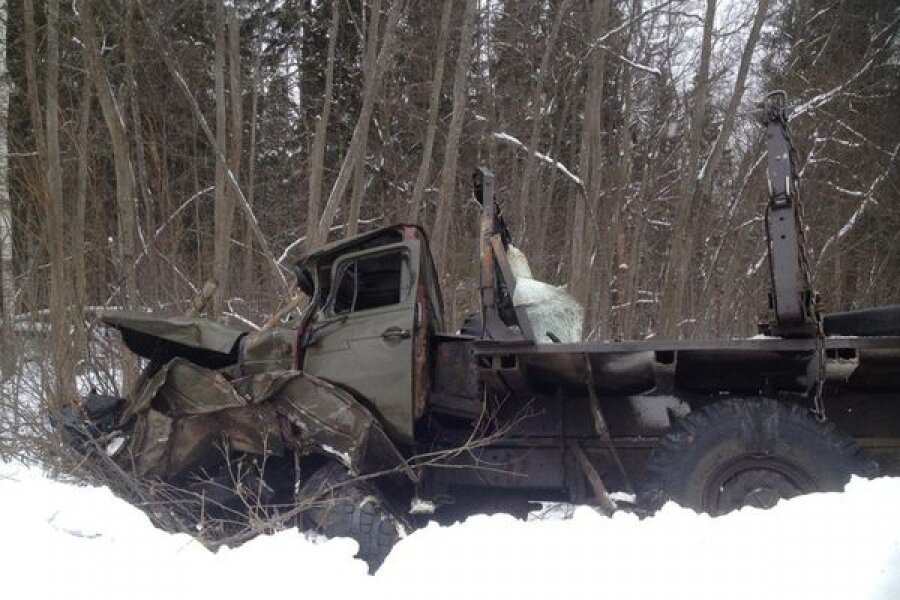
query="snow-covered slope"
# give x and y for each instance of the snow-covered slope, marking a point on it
(64, 541)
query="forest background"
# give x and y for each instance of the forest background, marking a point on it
(147, 146)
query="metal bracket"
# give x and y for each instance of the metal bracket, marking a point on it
(600, 424)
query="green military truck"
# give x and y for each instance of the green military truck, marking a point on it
(366, 416)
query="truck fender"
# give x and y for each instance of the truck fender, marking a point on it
(328, 420)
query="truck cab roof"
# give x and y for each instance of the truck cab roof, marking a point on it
(317, 264)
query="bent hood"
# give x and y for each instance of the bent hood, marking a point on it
(144, 333)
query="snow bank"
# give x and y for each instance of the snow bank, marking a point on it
(60, 541)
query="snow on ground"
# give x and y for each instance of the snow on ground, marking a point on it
(66, 541)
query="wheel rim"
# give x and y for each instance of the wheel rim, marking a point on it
(754, 480)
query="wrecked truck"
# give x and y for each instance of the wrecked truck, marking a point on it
(366, 416)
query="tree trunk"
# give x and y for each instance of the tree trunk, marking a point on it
(715, 156)
(61, 340)
(680, 263)
(224, 206)
(247, 279)
(370, 92)
(115, 124)
(441, 230)
(7, 289)
(437, 80)
(547, 225)
(317, 156)
(218, 151)
(137, 129)
(78, 220)
(370, 46)
(31, 90)
(527, 211)
(621, 260)
(237, 108)
(587, 204)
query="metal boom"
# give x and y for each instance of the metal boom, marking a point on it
(792, 299)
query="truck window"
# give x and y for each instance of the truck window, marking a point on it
(369, 282)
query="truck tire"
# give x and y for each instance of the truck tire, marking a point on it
(748, 452)
(342, 507)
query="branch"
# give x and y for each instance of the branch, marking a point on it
(628, 61)
(599, 42)
(175, 70)
(168, 221)
(506, 138)
(868, 198)
(825, 97)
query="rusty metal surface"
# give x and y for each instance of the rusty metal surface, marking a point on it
(422, 325)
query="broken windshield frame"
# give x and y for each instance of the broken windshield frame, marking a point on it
(341, 266)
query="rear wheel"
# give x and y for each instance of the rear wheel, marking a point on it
(754, 452)
(342, 507)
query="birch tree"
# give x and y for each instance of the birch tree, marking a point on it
(6, 220)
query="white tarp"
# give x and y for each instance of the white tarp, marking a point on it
(550, 309)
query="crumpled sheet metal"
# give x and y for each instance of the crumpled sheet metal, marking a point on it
(333, 420)
(262, 414)
(185, 388)
(149, 444)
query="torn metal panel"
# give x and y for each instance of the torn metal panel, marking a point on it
(199, 338)
(326, 415)
(148, 448)
(183, 388)
(185, 416)
(199, 440)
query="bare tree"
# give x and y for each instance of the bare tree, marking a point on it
(137, 129)
(527, 209)
(370, 48)
(251, 160)
(63, 359)
(437, 81)
(370, 92)
(237, 105)
(79, 214)
(441, 230)
(317, 156)
(6, 219)
(224, 207)
(707, 172)
(126, 220)
(679, 262)
(115, 124)
(587, 211)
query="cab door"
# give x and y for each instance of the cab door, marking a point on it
(362, 339)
